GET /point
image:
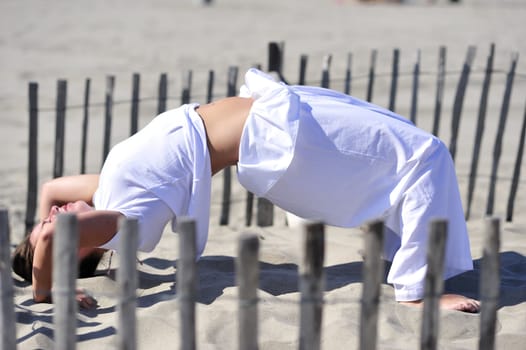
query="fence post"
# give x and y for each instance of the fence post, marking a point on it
(348, 75)
(434, 283)
(441, 78)
(85, 123)
(163, 91)
(303, 69)
(248, 280)
(372, 279)
(326, 66)
(489, 284)
(312, 286)
(187, 86)
(497, 149)
(210, 86)
(65, 248)
(108, 112)
(516, 171)
(227, 172)
(459, 100)
(394, 80)
(275, 59)
(187, 281)
(414, 96)
(58, 167)
(127, 282)
(265, 216)
(7, 318)
(32, 164)
(134, 115)
(480, 129)
(249, 206)
(372, 69)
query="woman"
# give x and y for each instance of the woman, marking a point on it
(314, 152)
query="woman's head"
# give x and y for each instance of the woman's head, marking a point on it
(22, 262)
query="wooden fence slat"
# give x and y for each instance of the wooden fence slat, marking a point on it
(32, 166)
(85, 124)
(414, 94)
(372, 279)
(127, 285)
(441, 79)
(108, 115)
(249, 204)
(348, 75)
(394, 79)
(247, 274)
(459, 100)
(311, 285)
(163, 92)
(265, 214)
(516, 171)
(303, 69)
(497, 149)
(134, 114)
(232, 81)
(249, 208)
(58, 166)
(227, 191)
(210, 86)
(325, 75)
(481, 120)
(187, 87)
(275, 59)
(65, 270)
(489, 284)
(7, 318)
(227, 172)
(372, 69)
(187, 281)
(434, 284)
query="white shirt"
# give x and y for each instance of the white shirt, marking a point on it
(167, 160)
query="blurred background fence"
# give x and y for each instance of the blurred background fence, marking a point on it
(414, 90)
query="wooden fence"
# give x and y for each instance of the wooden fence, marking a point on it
(275, 64)
(311, 285)
(311, 271)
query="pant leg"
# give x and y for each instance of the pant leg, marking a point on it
(431, 193)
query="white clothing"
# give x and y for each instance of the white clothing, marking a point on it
(160, 173)
(327, 156)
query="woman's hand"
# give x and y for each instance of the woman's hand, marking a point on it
(85, 300)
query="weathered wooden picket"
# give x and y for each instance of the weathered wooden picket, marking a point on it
(275, 64)
(311, 285)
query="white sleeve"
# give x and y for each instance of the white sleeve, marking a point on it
(257, 83)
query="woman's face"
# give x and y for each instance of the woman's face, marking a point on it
(73, 207)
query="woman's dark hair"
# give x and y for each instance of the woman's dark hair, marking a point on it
(88, 265)
(23, 261)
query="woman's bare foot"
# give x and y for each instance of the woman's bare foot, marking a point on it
(451, 302)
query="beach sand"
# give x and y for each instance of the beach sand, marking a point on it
(75, 40)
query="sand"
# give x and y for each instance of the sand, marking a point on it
(75, 40)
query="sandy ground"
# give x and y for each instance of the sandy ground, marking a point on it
(75, 40)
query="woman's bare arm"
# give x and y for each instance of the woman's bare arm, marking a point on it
(96, 227)
(67, 189)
